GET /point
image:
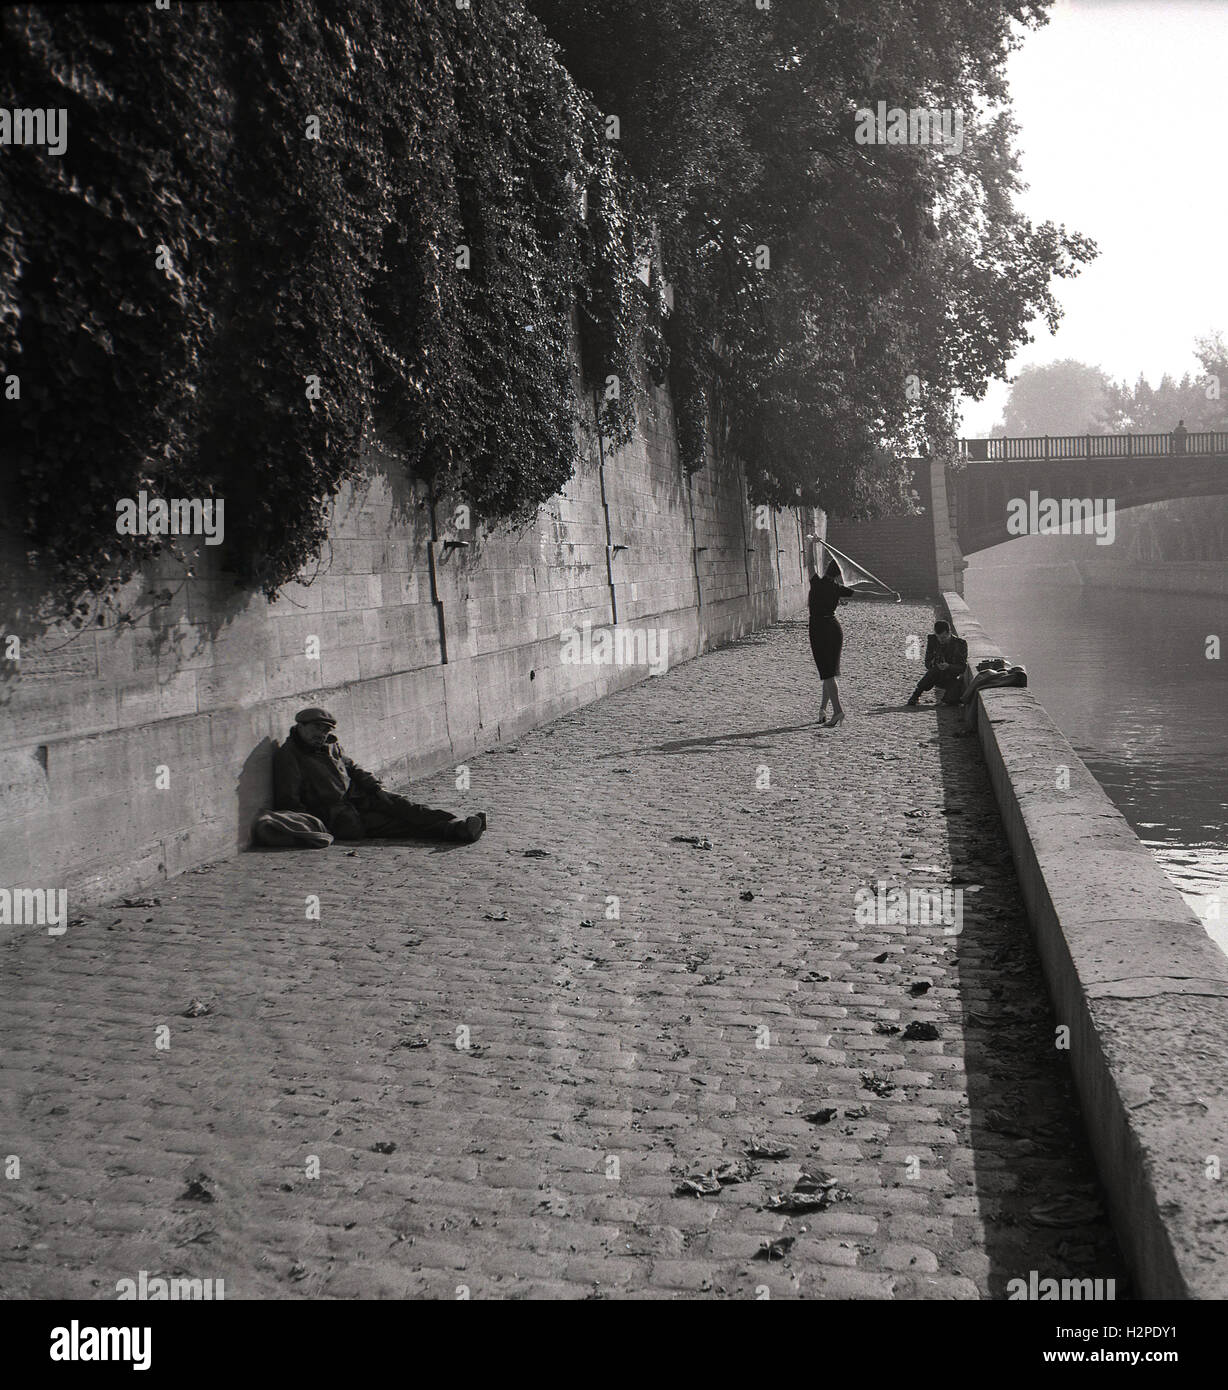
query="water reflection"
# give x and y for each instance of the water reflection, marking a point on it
(1125, 676)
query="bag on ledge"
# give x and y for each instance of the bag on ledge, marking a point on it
(992, 676)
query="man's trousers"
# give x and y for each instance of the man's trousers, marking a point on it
(391, 817)
(950, 681)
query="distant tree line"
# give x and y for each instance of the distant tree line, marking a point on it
(1071, 397)
(276, 226)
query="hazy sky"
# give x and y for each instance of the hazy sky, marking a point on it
(1122, 108)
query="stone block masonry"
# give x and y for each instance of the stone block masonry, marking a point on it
(913, 554)
(130, 753)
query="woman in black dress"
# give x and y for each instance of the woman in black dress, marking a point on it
(826, 634)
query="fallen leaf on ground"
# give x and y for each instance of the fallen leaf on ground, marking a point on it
(766, 1149)
(814, 1179)
(734, 1170)
(698, 1187)
(1067, 1211)
(775, 1249)
(797, 1202)
(920, 1032)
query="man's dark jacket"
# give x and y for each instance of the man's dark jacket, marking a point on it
(315, 779)
(955, 653)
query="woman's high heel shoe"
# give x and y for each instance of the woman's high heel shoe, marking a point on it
(839, 719)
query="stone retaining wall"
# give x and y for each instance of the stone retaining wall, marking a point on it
(128, 754)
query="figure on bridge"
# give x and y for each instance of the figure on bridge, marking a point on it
(946, 665)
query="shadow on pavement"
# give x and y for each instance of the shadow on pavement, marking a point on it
(1035, 1178)
(690, 745)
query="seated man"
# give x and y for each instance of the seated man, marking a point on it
(312, 774)
(946, 664)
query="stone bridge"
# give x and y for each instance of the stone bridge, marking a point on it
(964, 504)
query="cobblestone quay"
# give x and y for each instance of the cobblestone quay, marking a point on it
(511, 1068)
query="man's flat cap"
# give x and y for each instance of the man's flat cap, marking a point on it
(315, 716)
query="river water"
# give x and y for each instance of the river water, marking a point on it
(1125, 676)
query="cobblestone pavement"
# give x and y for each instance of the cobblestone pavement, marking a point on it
(608, 1058)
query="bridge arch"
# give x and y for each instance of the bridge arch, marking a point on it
(964, 502)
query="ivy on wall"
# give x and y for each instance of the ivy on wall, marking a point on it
(275, 222)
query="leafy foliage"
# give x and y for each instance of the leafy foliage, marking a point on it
(1072, 397)
(309, 287)
(1066, 397)
(1200, 401)
(423, 265)
(816, 278)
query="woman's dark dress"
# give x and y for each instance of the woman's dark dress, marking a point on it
(826, 634)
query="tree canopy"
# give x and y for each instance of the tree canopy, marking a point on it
(1066, 397)
(275, 225)
(1072, 397)
(895, 278)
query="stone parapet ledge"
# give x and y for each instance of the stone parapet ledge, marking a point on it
(1134, 976)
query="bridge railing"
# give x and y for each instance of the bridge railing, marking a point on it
(1094, 446)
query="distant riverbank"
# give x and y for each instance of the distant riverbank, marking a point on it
(1208, 577)
(1159, 577)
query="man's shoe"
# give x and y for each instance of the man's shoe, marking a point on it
(474, 825)
(912, 700)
